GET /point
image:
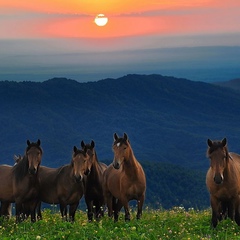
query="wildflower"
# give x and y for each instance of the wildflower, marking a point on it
(38, 237)
(133, 228)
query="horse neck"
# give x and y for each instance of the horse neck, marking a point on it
(21, 169)
(229, 171)
(95, 170)
(130, 165)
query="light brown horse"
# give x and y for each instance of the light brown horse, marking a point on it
(124, 180)
(25, 185)
(223, 182)
(64, 185)
(94, 183)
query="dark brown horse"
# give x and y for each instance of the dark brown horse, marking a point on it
(25, 185)
(124, 180)
(223, 182)
(94, 184)
(64, 185)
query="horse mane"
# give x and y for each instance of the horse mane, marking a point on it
(20, 170)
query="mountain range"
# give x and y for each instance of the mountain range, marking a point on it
(168, 121)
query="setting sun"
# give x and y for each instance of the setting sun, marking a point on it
(101, 20)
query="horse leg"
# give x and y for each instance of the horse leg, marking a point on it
(140, 205)
(117, 208)
(99, 209)
(6, 209)
(63, 210)
(127, 212)
(32, 205)
(39, 212)
(72, 211)
(110, 202)
(231, 211)
(19, 212)
(89, 209)
(237, 211)
(216, 206)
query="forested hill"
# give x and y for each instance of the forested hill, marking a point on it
(167, 119)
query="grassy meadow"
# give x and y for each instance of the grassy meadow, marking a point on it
(176, 223)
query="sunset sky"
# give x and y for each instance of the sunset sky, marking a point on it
(42, 39)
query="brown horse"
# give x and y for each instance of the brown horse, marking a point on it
(6, 191)
(64, 185)
(25, 185)
(94, 184)
(124, 180)
(5, 170)
(223, 182)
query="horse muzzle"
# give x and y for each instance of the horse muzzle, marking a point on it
(78, 178)
(116, 165)
(218, 178)
(32, 171)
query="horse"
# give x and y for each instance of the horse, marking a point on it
(64, 185)
(223, 182)
(124, 180)
(5, 170)
(25, 185)
(6, 191)
(94, 190)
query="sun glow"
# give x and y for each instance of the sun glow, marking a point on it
(101, 20)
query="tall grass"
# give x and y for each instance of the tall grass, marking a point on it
(176, 223)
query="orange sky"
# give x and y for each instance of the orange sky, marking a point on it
(40, 39)
(72, 18)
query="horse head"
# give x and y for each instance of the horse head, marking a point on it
(79, 163)
(121, 148)
(34, 155)
(90, 150)
(219, 157)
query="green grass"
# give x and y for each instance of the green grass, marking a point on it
(176, 223)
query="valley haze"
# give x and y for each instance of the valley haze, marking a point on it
(29, 61)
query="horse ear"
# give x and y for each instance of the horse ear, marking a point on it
(38, 142)
(92, 144)
(125, 136)
(74, 148)
(224, 142)
(83, 144)
(28, 142)
(209, 142)
(115, 136)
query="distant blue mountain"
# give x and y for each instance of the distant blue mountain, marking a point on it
(233, 84)
(168, 121)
